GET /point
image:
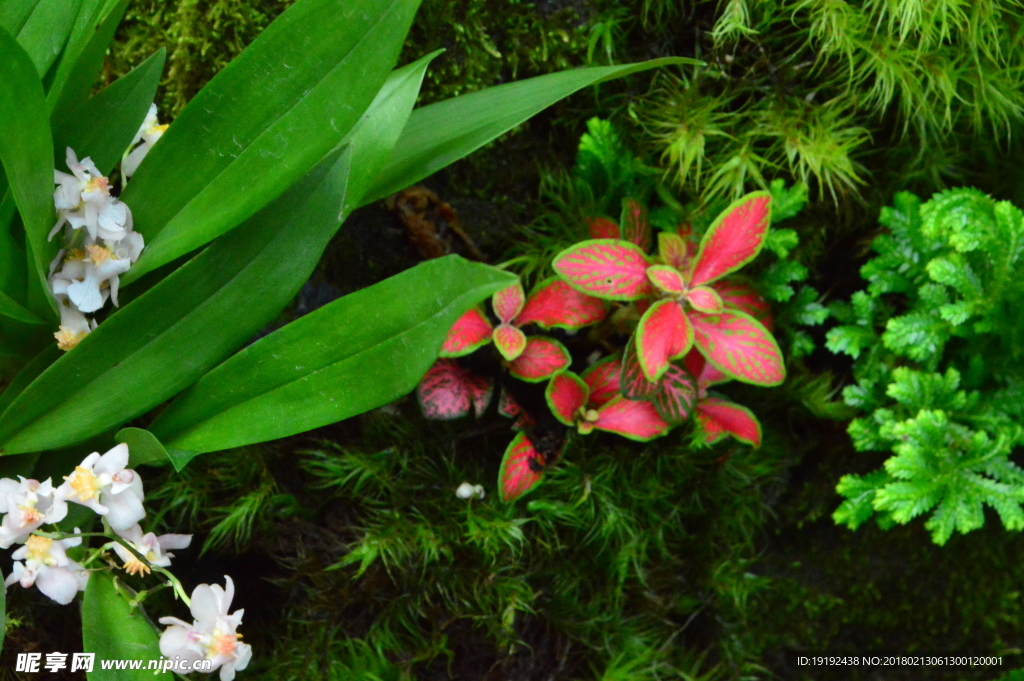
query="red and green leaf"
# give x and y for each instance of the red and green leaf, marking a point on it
(566, 394)
(664, 334)
(703, 371)
(633, 419)
(720, 417)
(745, 298)
(510, 341)
(607, 268)
(509, 408)
(542, 358)
(556, 304)
(522, 468)
(678, 391)
(666, 278)
(471, 331)
(734, 239)
(448, 391)
(739, 346)
(705, 299)
(632, 381)
(635, 226)
(603, 380)
(603, 228)
(674, 250)
(508, 302)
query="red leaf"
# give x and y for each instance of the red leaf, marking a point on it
(666, 278)
(522, 468)
(607, 268)
(556, 304)
(509, 408)
(632, 381)
(510, 341)
(603, 381)
(745, 298)
(703, 371)
(635, 226)
(508, 302)
(448, 391)
(705, 299)
(663, 335)
(674, 250)
(566, 394)
(721, 417)
(542, 358)
(678, 392)
(734, 239)
(603, 228)
(739, 347)
(471, 331)
(633, 419)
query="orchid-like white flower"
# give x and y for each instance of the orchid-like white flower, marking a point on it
(47, 566)
(149, 133)
(104, 484)
(73, 324)
(212, 634)
(151, 547)
(83, 199)
(28, 505)
(468, 491)
(89, 277)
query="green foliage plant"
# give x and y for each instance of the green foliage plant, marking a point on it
(936, 339)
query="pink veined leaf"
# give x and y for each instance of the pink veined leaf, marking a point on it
(705, 299)
(632, 381)
(674, 250)
(566, 394)
(703, 371)
(635, 226)
(603, 228)
(666, 278)
(720, 418)
(739, 347)
(633, 419)
(508, 302)
(510, 341)
(745, 298)
(664, 334)
(556, 304)
(603, 380)
(522, 468)
(678, 391)
(448, 391)
(542, 358)
(509, 408)
(471, 331)
(734, 239)
(607, 268)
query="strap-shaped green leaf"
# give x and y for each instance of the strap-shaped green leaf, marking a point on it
(263, 121)
(171, 335)
(113, 630)
(46, 31)
(14, 14)
(104, 126)
(440, 134)
(26, 150)
(10, 308)
(28, 373)
(355, 354)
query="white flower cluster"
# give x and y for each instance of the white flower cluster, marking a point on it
(99, 243)
(212, 634)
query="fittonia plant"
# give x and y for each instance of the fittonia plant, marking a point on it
(694, 329)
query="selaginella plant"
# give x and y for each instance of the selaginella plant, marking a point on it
(681, 326)
(936, 337)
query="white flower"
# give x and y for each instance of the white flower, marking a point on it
(212, 635)
(28, 505)
(104, 484)
(73, 324)
(83, 199)
(151, 547)
(149, 133)
(89, 277)
(48, 567)
(468, 491)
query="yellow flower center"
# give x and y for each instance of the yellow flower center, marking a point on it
(85, 484)
(38, 548)
(67, 340)
(153, 129)
(98, 253)
(97, 183)
(136, 567)
(30, 515)
(223, 644)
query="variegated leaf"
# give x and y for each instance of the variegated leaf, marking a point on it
(739, 347)
(566, 394)
(603, 380)
(664, 334)
(632, 381)
(734, 239)
(556, 304)
(542, 358)
(509, 408)
(508, 302)
(745, 298)
(635, 226)
(666, 278)
(720, 417)
(633, 419)
(509, 340)
(678, 391)
(703, 371)
(522, 468)
(674, 250)
(607, 268)
(471, 331)
(705, 299)
(448, 391)
(603, 228)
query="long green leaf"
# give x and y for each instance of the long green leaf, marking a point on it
(352, 355)
(14, 14)
(440, 134)
(26, 150)
(28, 373)
(113, 630)
(10, 308)
(263, 122)
(46, 32)
(104, 126)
